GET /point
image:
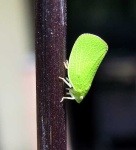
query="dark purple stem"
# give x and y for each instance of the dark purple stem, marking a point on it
(50, 42)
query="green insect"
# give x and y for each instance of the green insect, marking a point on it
(85, 58)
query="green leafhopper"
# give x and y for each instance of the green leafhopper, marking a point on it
(85, 58)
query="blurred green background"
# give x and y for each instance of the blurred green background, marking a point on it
(105, 120)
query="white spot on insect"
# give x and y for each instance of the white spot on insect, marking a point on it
(81, 97)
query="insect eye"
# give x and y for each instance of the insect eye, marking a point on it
(81, 97)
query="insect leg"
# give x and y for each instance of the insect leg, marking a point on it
(70, 98)
(67, 79)
(64, 80)
(66, 64)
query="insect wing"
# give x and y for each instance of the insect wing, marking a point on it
(85, 58)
